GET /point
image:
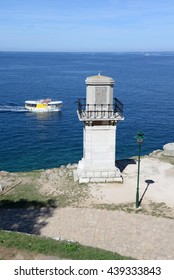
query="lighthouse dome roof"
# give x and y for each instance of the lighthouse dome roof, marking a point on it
(99, 79)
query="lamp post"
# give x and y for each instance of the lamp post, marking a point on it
(140, 137)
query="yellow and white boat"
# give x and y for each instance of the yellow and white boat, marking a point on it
(43, 105)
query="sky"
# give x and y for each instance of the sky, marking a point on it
(87, 25)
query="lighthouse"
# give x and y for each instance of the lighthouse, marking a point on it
(99, 112)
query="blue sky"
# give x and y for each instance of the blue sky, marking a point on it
(90, 25)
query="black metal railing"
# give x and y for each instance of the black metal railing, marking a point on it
(99, 111)
(118, 106)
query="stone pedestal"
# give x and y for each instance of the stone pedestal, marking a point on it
(98, 163)
(97, 175)
(169, 149)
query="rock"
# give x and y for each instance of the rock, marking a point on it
(156, 153)
(61, 173)
(71, 166)
(168, 150)
(75, 175)
(4, 173)
(70, 173)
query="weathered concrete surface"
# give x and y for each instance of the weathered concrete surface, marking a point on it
(169, 149)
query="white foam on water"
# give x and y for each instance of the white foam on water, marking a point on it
(7, 108)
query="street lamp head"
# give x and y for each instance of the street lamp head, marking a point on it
(140, 137)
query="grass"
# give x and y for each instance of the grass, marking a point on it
(127, 207)
(25, 195)
(48, 246)
(153, 209)
(64, 191)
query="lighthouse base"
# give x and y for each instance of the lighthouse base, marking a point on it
(102, 175)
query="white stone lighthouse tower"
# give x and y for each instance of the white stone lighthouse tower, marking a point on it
(100, 113)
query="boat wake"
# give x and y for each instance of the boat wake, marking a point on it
(12, 108)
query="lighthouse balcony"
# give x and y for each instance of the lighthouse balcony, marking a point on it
(100, 112)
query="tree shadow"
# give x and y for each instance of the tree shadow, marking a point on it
(25, 216)
(148, 181)
(123, 163)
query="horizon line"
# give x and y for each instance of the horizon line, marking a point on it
(32, 51)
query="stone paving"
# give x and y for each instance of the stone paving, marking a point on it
(136, 235)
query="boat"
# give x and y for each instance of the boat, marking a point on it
(43, 105)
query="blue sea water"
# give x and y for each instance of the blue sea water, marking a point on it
(29, 141)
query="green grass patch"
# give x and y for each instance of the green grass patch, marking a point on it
(152, 208)
(62, 249)
(27, 191)
(127, 207)
(26, 196)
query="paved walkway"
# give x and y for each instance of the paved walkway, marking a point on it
(136, 235)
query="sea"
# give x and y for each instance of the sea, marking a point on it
(144, 83)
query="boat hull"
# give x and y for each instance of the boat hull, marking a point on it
(43, 106)
(43, 109)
